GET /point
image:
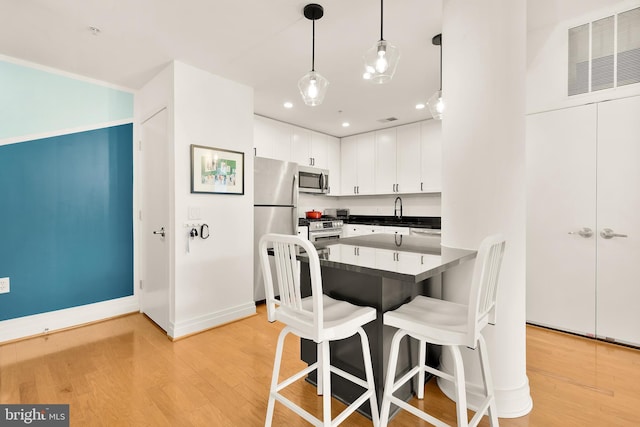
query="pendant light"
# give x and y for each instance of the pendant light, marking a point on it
(381, 60)
(313, 87)
(436, 104)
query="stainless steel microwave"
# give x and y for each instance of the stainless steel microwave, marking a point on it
(313, 180)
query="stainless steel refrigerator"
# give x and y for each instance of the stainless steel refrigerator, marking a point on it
(274, 207)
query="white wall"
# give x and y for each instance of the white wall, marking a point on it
(547, 51)
(214, 281)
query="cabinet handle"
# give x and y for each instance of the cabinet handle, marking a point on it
(422, 186)
(255, 152)
(358, 187)
(586, 232)
(608, 233)
(354, 190)
(397, 188)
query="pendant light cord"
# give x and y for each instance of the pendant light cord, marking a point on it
(381, 18)
(440, 64)
(313, 44)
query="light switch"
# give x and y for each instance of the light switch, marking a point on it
(195, 212)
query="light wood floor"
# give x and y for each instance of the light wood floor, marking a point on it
(126, 372)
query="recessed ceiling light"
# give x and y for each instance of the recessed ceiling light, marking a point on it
(420, 106)
(288, 104)
(345, 124)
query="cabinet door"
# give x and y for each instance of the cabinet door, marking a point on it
(561, 199)
(301, 146)
(349, 164)
(431, 155)
(408, 158)
(319, 150)
(333, 164)
(618, 269)
(385, 164)
(272, 139)
(366, 159)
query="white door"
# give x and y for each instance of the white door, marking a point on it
(385, 161)
(366, 163)
(561, 199)
(431, 155)
(618, 271)
(408, 158)
(348, 166)
(155, 250)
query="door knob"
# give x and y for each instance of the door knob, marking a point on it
(608, 233)
(160, 232)
(585, 232)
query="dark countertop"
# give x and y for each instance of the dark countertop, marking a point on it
(405, 221)
(406, 258)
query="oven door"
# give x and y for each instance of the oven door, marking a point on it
(324, 235)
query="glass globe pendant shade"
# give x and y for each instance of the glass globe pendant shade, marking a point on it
(380, 62)
(436, 105)
(313, 88)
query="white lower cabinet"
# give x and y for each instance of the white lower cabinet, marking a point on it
(350, 230)
(583, 179)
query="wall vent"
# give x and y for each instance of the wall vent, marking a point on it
(388, 119)
(604, 54)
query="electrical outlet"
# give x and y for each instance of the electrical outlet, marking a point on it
(4, 285)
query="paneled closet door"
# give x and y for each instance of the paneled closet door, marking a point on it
(561, 206)
(618, 271)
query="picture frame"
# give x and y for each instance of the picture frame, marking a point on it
(216, 170)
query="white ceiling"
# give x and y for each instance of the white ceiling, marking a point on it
(265, 44)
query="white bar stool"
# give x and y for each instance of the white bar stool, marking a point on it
(450, 325)
(319, 318)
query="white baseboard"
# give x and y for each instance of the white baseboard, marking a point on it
(211, 320)
(38, 324)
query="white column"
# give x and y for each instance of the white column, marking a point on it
(483, 191)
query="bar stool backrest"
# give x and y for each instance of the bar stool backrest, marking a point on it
(289, 307)
(484, 286)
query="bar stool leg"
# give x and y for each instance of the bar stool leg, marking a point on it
(460, 388)
(368, 369)
(488, 381)
(390, 379)
(422, 355)
(275, 376)
(326, 384)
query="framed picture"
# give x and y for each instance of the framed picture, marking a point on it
(216, 171)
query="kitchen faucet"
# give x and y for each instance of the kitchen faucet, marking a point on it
(395, 207)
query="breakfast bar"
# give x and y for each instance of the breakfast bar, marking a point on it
(382, 271)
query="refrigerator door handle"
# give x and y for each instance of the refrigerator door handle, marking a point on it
(294, 209)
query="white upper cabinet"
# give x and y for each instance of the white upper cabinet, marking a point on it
(301, 146)
(385, 164)
(408, 158)
(358, 165)
(334, 165)
(431, 155)
(271, 138)
(309, 148)
(319, 150)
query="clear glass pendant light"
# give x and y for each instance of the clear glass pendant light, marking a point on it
(381, 60)
(313, 86)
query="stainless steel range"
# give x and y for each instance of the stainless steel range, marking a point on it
(325, 229)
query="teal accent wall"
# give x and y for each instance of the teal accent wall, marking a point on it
(34, 101)
(66, 226)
